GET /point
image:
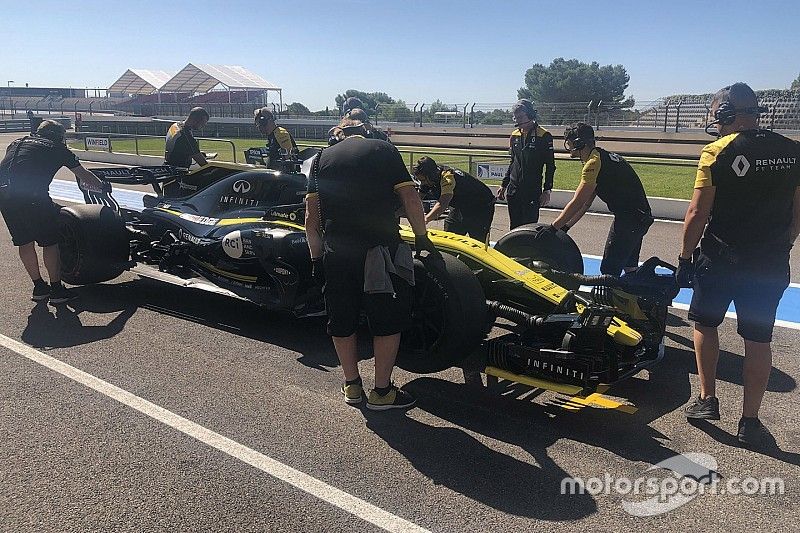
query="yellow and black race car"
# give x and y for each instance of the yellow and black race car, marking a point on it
(522, 308)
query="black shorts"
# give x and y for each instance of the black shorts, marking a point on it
(32, 221)
(345, 299)
(477, 223)
(754, 289)
(624, 244)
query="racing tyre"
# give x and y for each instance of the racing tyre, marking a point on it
(449, 316)
(527, 244)
(94, 244)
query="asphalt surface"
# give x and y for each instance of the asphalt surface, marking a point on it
(465, 459)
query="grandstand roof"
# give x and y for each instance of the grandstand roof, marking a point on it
(203, 78)
(140, 81)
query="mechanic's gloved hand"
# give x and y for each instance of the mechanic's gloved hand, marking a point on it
(565, 228)
(548, 230)
(685, 272)
(318, 271)
(422, 243)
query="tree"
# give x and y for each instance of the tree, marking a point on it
(296, 108)
(796, 84)
(370, 100)
(574, 81)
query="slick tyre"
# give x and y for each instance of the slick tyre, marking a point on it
(94, 244)
(449, 316)
(530, 243)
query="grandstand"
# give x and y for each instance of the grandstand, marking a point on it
(691, 111)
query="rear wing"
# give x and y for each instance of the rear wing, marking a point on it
(154, 176)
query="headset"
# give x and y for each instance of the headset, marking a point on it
(578, 143)
(726, 114)
(527, 105)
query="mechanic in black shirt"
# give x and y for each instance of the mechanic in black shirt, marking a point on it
(471, 202)
(609, 176)
(350, 221)
(280, 144)
(31, 216)
(745, 213)
(531, 149)
(181, 146)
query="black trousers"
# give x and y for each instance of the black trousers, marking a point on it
(477, 223)
(523, 211)
(624, 244)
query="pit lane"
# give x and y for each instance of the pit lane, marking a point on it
(465, 459)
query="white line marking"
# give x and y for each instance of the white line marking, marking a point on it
(344, 501)
(731, 314)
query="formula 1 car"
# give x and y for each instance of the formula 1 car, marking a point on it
(237, 230)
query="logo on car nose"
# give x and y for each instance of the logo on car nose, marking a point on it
(241, 186)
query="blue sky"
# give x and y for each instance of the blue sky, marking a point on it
(468, 51)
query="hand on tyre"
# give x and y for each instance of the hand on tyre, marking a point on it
(422, 243)
(501, 193)
(318, 271)
(685, 272)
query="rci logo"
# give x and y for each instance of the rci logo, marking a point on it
(740, 165)
(241, 186)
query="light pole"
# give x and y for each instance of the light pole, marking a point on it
(9, 83)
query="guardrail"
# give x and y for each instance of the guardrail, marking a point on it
(141, 144)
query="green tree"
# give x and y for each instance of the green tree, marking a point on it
(796, 84)
(296, 108)
(396, 112)
(574, 81)
(370, 100)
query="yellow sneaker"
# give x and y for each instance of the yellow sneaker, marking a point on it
(394, 399)
(353, 393)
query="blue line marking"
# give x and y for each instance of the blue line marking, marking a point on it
(788, 308)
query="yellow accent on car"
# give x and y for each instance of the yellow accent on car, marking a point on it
(212, 268)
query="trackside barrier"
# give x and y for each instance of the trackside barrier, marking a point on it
(139, 143)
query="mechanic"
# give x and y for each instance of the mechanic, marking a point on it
(609, 176)
(531, 149)
(26, 172)
(181, 146)
(280, 144)
(471, 202)
(358, 256)
(747, 183)
(335, 134)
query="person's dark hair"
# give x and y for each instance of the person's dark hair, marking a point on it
(352, 124)
(527, 106)
(579, 130)
(352, 103)
(50, 129)
(740, 95)
(425, 166)
(262, 115)
(197, 114)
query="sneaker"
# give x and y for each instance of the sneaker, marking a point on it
(353, 393)
(394, 399)
(753, 433)
(41, 292)
(60, 294)
(701, 409)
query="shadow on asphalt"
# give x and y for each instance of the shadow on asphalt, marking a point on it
(506, 412)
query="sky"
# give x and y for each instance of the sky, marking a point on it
(414, 50)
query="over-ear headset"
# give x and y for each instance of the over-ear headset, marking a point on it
(530, 110)
(726, 113)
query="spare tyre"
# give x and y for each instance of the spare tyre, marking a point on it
(531, 243)
(448, 318)
(94, 244)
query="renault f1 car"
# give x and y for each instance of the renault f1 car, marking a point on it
(522, 307)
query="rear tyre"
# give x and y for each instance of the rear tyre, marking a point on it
(449, 317)
(526, 245)
(94, 244)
